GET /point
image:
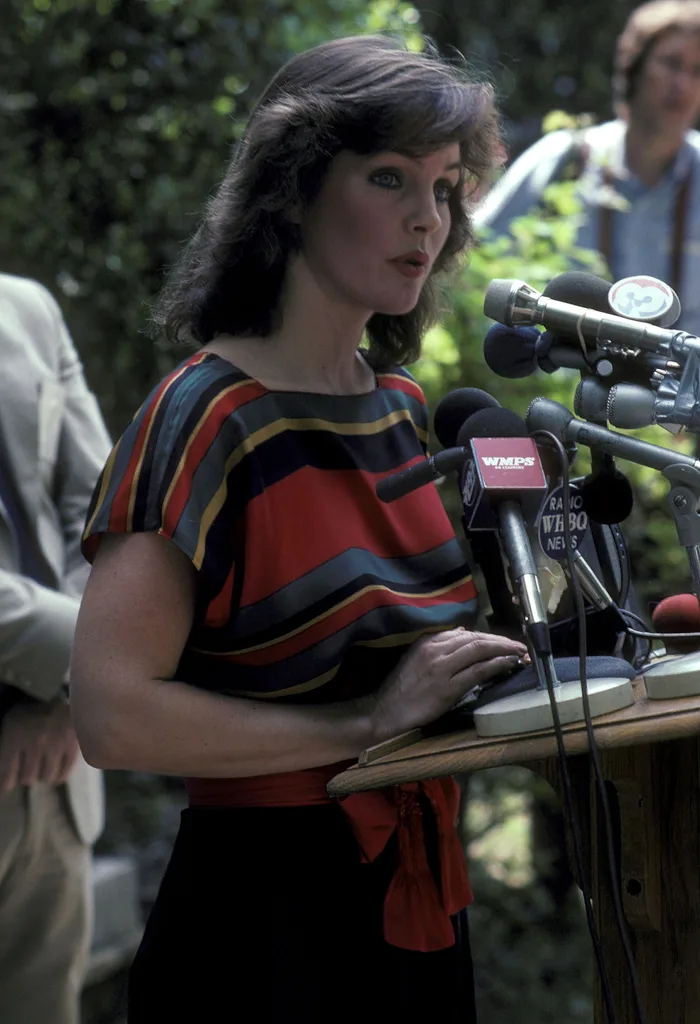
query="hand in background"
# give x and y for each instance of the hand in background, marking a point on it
(37, 744)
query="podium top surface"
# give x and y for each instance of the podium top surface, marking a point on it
(414, 757)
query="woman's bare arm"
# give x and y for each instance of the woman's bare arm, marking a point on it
(134, 621)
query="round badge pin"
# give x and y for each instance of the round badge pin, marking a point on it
(645, 298)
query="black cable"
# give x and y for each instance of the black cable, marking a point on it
(566, 779)
(578, 851)
(650, 634)
(593, 748)
(625, 613)
(623, 562)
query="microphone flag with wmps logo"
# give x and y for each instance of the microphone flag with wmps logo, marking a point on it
(497, 467)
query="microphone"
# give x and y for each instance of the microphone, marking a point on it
(455, 408)
(591, 400)
(546, 414)
(682, 471)
(549, 515)
(515, 352)
(501, 479)
(580, 289)
(501, 489)
(631, 406)
(607, 493)
(517, 303)
(428, 471)
(510, 351)
(503, 473)
(450, 414)
(518, 351)
(679, 613)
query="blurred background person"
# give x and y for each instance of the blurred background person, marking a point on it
(52, 445)
(639, 175)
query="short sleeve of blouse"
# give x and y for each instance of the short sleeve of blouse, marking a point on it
(174, 470)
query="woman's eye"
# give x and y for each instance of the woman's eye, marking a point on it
(386, 179)
(443, 193)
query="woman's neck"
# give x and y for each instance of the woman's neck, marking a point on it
(315, 348)
(649, 153)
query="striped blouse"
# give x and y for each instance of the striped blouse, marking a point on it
(310, 588)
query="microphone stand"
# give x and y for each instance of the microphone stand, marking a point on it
(531, 710)
(683, 500)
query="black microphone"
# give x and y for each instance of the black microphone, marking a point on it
(501, 477)
(546, 414)
(515, 352)
(606, 492)
(509, 424)
(580, 289)
(455, 408)
(510, 351)
(451, 412)
(420, 473)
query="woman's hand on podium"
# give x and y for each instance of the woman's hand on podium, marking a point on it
(434, 675)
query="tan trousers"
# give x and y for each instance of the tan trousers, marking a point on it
(45, 908)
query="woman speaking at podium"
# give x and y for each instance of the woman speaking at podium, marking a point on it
(255, 616)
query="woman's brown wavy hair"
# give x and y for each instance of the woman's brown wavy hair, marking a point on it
(366, 94)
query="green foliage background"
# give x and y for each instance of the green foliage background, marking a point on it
(117, 120)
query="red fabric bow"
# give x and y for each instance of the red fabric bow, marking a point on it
(416, 911)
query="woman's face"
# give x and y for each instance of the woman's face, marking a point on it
(377, 226)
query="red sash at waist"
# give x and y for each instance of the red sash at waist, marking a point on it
(416, 910)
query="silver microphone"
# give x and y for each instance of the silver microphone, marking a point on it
(631, 406)
(517, 303)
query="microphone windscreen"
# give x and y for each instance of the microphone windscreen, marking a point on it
(580, 289)
(510, 351)
(607, 496)
(455, 408)
(679, 613)
(492, 423)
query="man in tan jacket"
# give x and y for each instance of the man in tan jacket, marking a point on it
(53, 444)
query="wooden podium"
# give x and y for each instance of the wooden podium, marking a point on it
(650, 756)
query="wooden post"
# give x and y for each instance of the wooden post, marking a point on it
(654, 793)
(654, 800)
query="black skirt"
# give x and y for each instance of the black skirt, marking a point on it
(267, 915)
